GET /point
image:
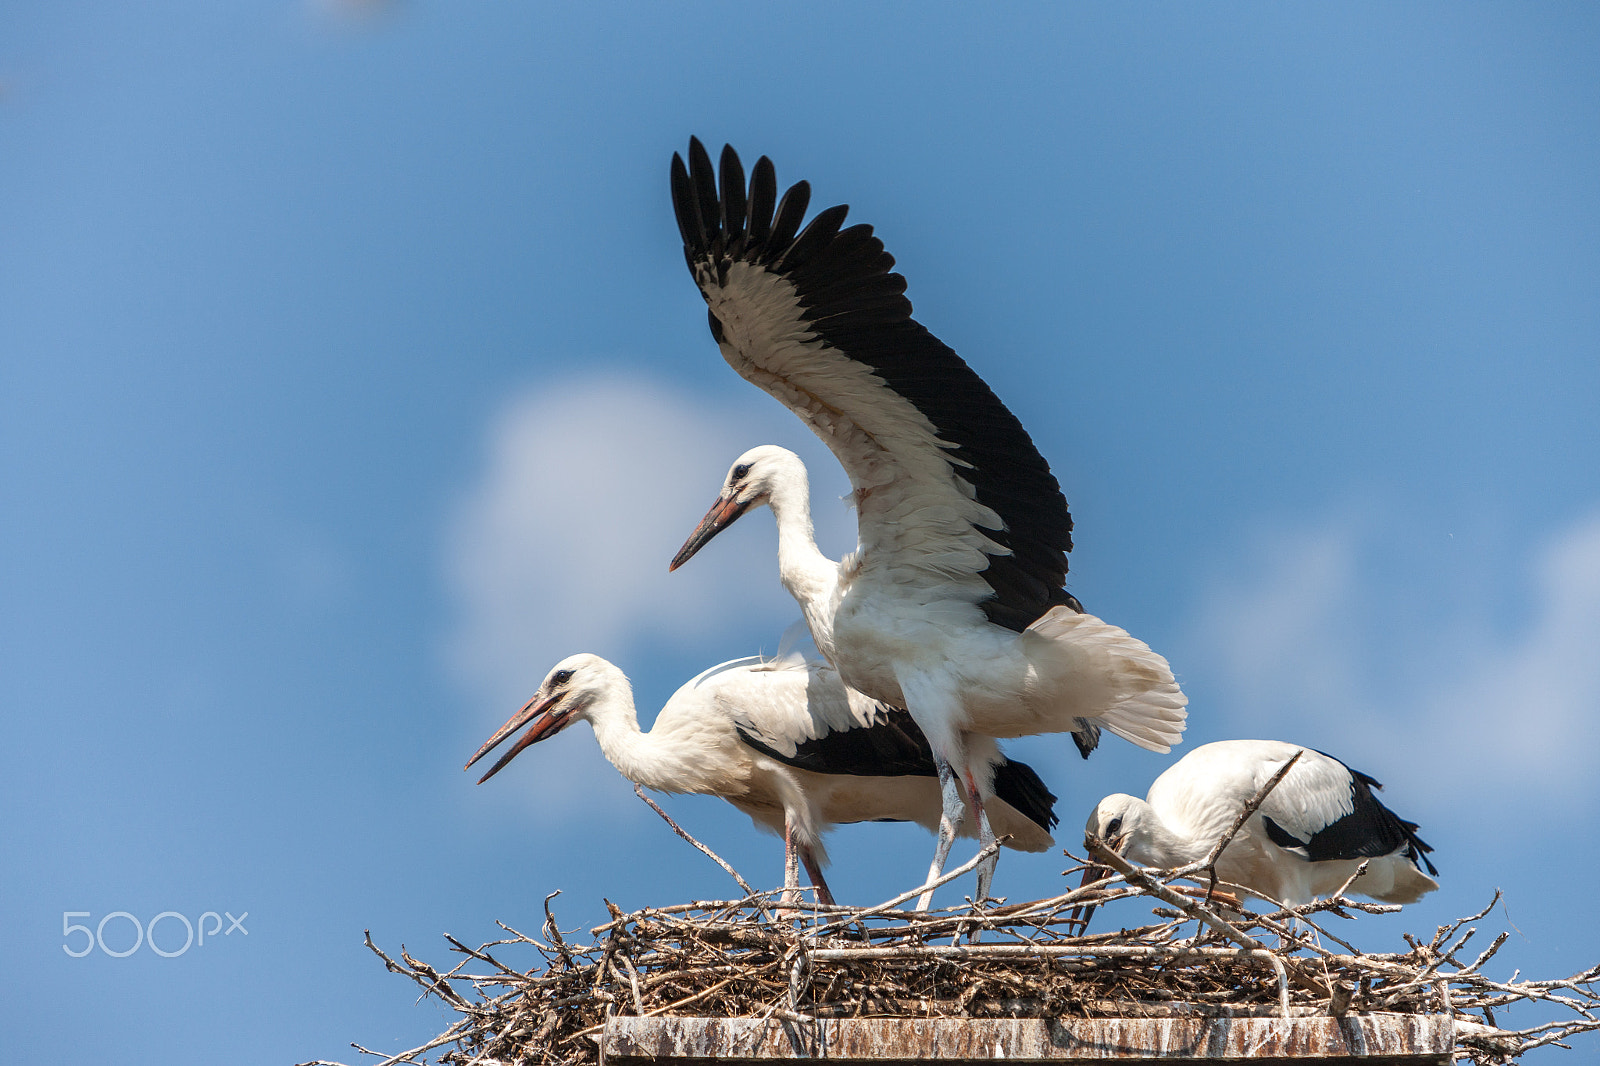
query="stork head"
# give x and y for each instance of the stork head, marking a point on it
(754, 479)
(1116, 822)
(565, 696)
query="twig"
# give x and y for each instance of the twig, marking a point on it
(972, 863)
(676, 828)
(1195, 910)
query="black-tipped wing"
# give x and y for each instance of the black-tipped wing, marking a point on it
(893, 746)
(948, 485)
(798, 712)
(1359, 827)
(890, 746)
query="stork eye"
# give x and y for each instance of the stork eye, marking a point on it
(560, 677)
(741, 471)
(1114, 827)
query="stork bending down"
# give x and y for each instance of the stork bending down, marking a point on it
(1308, 838)
(786, 743)
(953, 606)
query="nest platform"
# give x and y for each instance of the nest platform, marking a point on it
(743, 981)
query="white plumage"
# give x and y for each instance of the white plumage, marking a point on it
(1309, 836)
(953, 605)
(782, 740)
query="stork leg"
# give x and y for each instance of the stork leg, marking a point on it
(929, 699)
(814, 872)
(949, 821)
(985, 837)
(791, 871)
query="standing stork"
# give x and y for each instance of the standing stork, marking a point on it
(953, 605)
(783, 741)
(1309, 836)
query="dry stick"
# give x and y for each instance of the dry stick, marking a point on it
(1331, 903)
(482, 955)
(993, 952)
(552, 931)
(436, 982)
(1283, 985)
(633, 978)
(983, 853)
(521, 937)
(428, 978)
(676, 828)
(661, 1010)
(452, 1033)
(1195, 910)
(682, 908)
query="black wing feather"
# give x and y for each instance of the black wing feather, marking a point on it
(1368, 831)
(763, 195)
(819, 233)
(791, 210)
(686, 206)
(704, 182)
(853, 302)
(733, 202)
(893, 746)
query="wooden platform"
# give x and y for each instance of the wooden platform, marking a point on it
(1372, 1040)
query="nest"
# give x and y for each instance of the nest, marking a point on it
(762, 957)
(744, 958)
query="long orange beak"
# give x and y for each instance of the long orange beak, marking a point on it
(723, 514)
(1092, 873)
(1083, 912)
(547, 722)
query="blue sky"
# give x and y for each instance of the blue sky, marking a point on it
(350, 378)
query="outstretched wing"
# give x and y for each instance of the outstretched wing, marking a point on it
(948, 485)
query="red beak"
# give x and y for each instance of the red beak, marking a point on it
(546, 722)
(723, 513)
(1083, 912)
(1092, 873)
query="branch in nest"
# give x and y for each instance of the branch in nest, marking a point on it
(676, 828)
(723, 959)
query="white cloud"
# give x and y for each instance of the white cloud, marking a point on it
(1276, 639)
(1315, 646)
(1525, 704)
(589, 486)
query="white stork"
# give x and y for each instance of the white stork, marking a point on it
(1309, 836)
(786, 743)
(952, 606)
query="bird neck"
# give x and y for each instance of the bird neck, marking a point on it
(643, 758)
(810, 576)
(1157, 844)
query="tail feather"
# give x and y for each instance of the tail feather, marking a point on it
(1410, 885)
(1109, 678)
(1087, 739)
